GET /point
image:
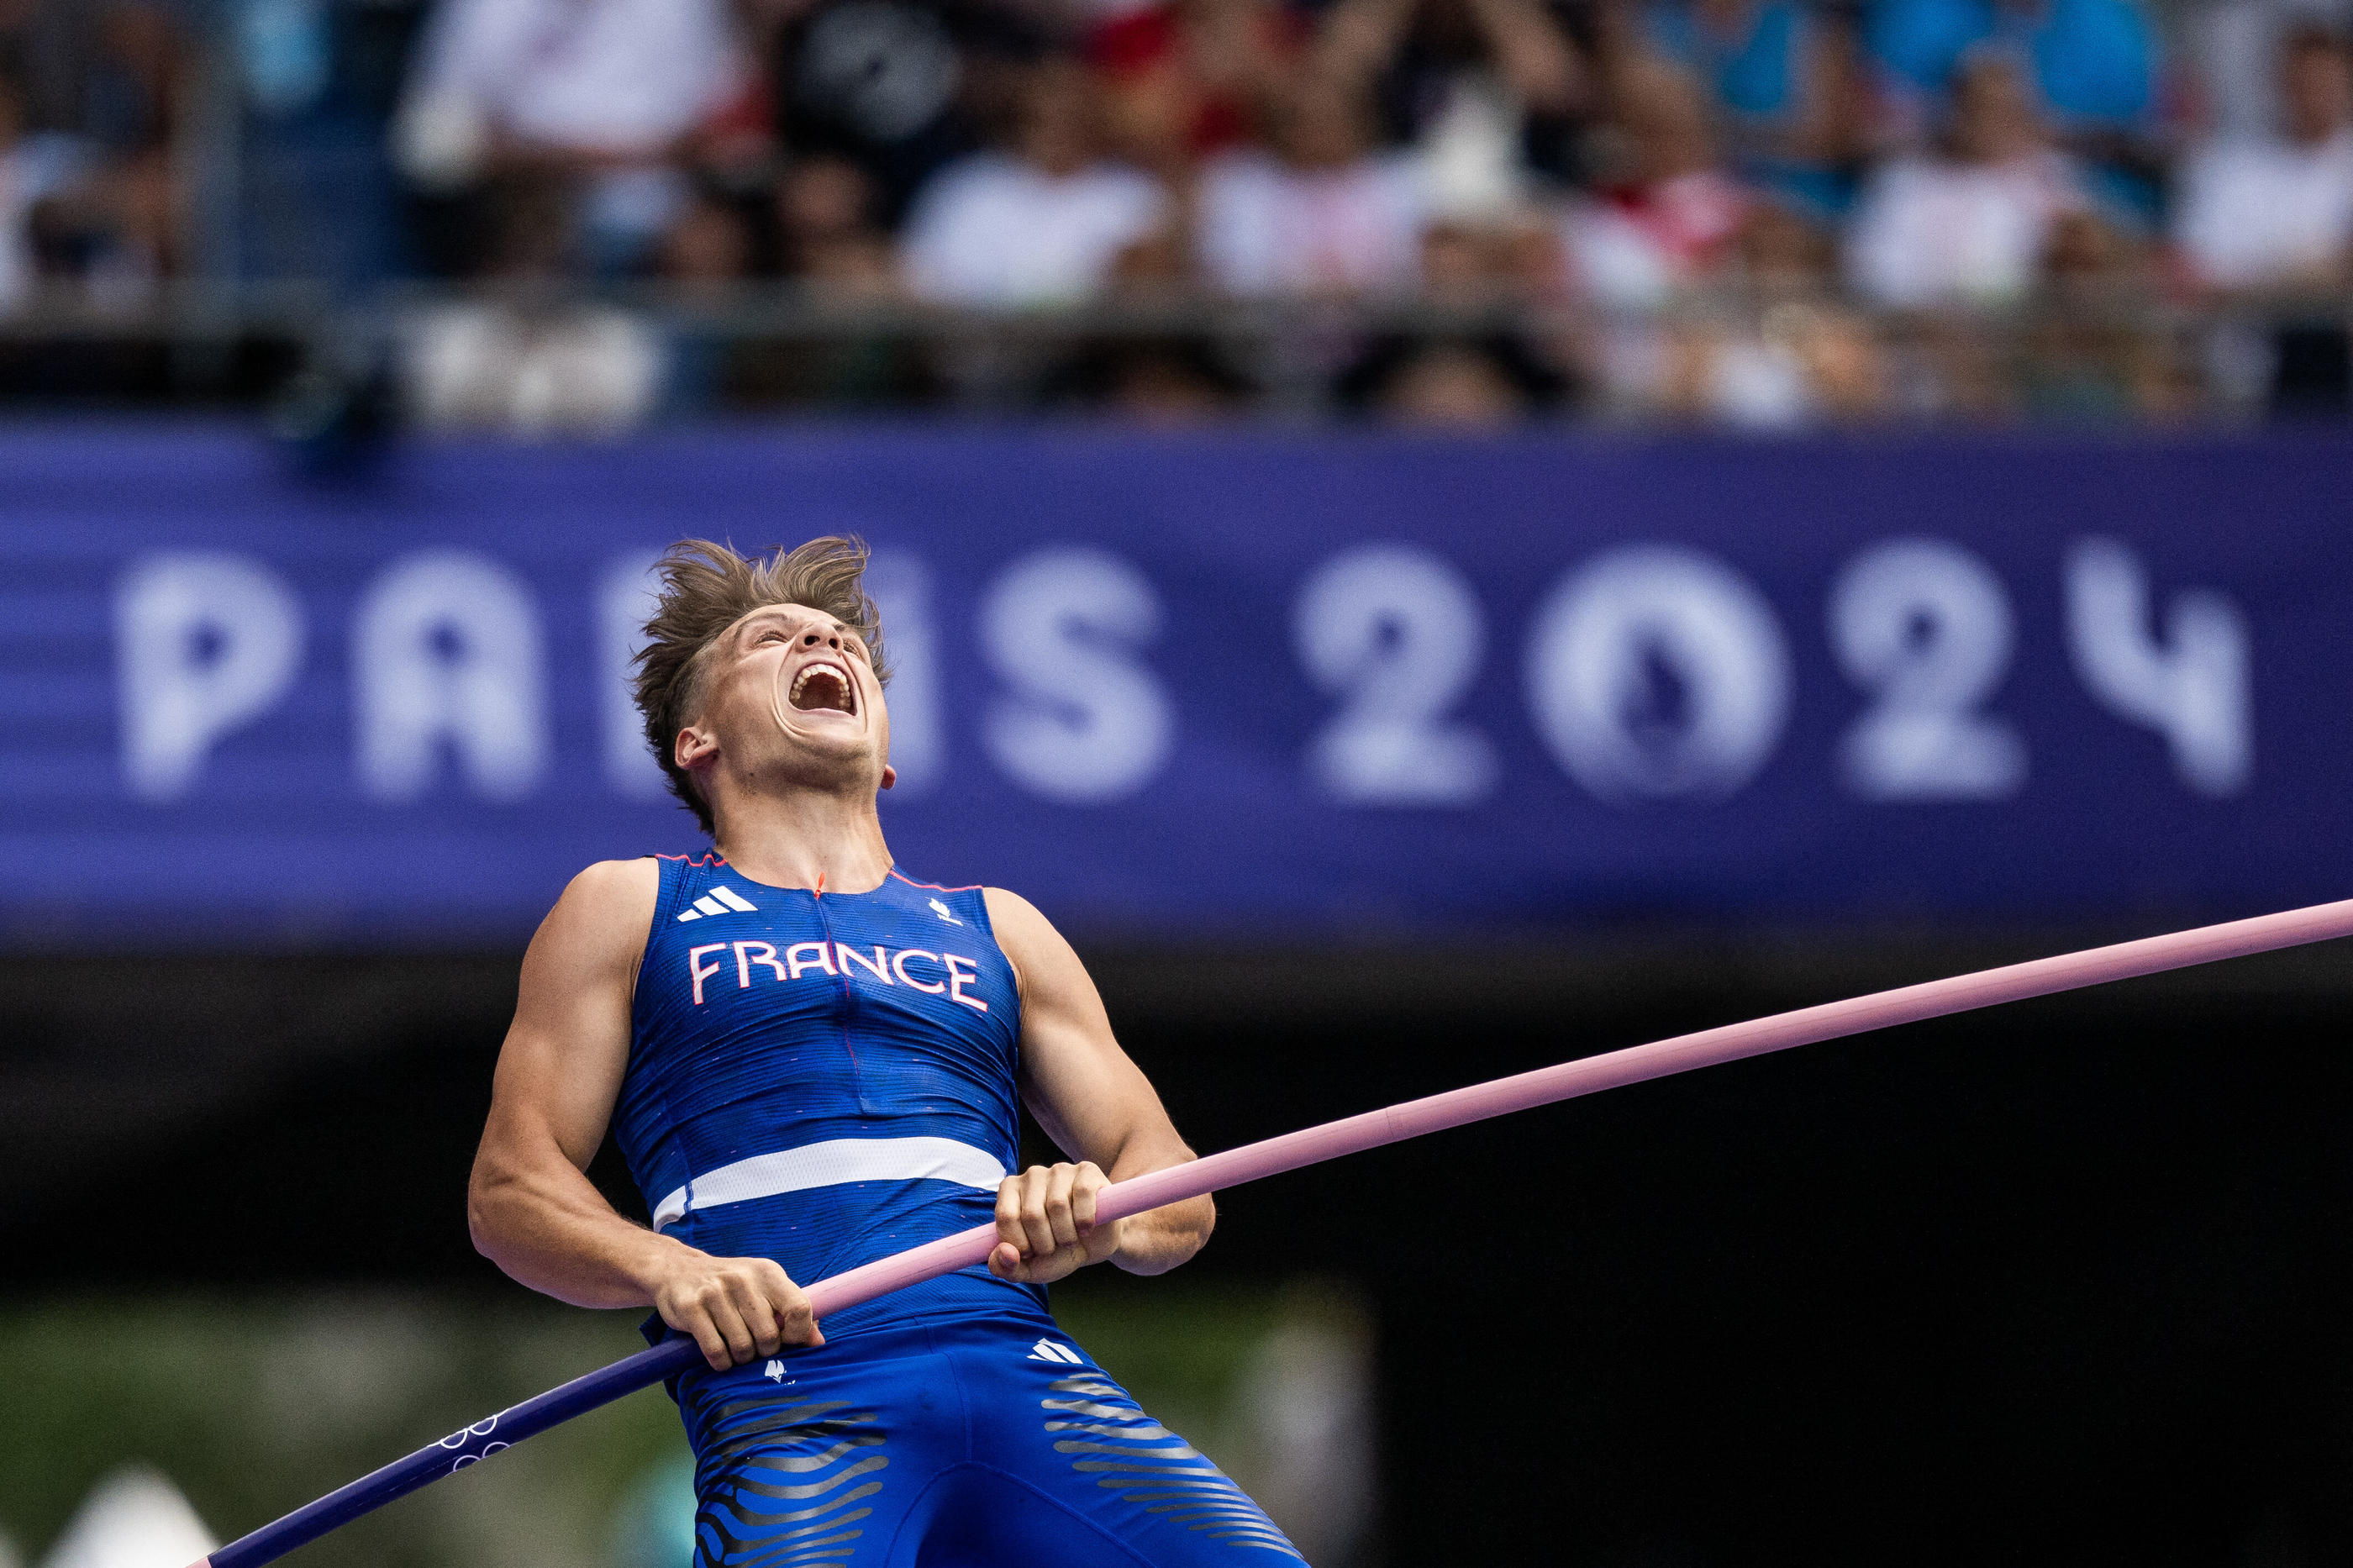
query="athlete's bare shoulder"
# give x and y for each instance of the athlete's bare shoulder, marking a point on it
(603, 916)
(635, 883)
(1042, 958)
(1016, 921)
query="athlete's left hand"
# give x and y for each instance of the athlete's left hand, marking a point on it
(1046, 1224)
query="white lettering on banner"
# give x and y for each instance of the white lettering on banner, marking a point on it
(1081, 721)
(1651, 673)
(204, 642)
(2190, 685)
(901, 586)
(1397, 634)
(1925, 624)
(899, 968)
(958, 976)
(694, 966)
(625, 602)
(447, 650)
(1656, 671)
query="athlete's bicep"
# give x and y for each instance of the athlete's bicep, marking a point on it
(560, 1069)
(1091, 1099)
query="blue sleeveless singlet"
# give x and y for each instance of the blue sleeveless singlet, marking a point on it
(825, 1079)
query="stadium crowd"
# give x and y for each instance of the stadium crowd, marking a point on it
(1767, 212)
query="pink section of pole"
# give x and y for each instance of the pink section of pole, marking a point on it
(1588, 1075)
(1614, 1069)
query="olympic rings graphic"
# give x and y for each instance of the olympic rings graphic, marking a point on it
(482, 1428)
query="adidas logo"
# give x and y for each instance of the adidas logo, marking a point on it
(774, 1372)
(718, 902)
(941, 910)
(1061, 1355)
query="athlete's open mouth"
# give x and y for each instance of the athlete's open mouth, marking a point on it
(823, 685)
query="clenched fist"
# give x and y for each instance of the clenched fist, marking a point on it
(1046, 1224)
(736, 1308)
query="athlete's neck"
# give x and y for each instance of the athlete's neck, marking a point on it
(806, 839)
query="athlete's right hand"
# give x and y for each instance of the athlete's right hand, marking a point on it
(737, 1309)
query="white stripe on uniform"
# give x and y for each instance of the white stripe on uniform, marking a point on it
(829, 1165)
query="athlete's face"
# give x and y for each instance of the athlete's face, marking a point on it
(791, 695)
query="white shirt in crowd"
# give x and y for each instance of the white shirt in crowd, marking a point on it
(1632, 257)
(1932, 232)
(2256, 210)
(2234, 51)
(1269, 229)
(995, 230)
(621, 78)
(592, 371)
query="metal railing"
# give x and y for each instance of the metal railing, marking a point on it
(782, 347)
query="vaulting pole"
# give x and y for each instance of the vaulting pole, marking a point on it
(1523, 1091)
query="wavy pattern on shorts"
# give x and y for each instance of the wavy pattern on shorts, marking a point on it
(784, 1483)
(1110, 1437)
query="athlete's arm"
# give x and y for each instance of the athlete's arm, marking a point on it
(1099, 1109)
(531, 1207)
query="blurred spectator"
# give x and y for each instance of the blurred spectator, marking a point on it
(899, 88)
(530, 361)
(706, 248)
(705, 253)
(2092, 63)
(1787, 354)
(1041, 224)
(2233, 46)
(1667, 218)
(2273, 215)
(1484, 268)
(1461, 265)
(2092, 353)
(323, 200)
(608, 94)
(92, 176)
(24, 182)
(1158, 269)
(825, 222)
(1323, 215)
(1162, 382)
(103, 72)
(2275, 212)
(1793, 366)
(1968, 226)
(1768, 347)
(1191, 79)
(828, 243)
(1785, 79)
(1448, 385)
(1483, 87)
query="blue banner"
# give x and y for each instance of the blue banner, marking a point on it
(1307, 686)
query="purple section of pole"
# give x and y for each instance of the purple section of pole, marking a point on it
(1456, 1108)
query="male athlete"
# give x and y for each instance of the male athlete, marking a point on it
(811, 1061)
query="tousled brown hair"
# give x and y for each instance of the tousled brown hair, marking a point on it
(707, 588)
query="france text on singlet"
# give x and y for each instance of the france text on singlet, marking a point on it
(825, 1079)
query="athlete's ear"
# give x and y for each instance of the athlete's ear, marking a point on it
(890, 776)
(693, 747)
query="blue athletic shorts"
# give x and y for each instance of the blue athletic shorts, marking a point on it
(962, 1443)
